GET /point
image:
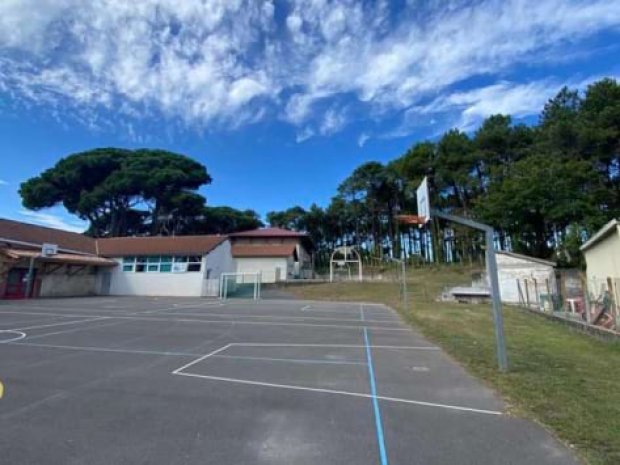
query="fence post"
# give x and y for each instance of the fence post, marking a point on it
(527, 293)
(586, 301)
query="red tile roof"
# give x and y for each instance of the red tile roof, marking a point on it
(268, 232)
(123, 246)
(33, 234)
(284, 250)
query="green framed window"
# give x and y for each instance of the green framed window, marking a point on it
(162, 263)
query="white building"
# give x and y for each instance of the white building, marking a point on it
(148, 266)
(277, 254)
(25, 271)
(165, 266)
(523, 278)
(602, 253)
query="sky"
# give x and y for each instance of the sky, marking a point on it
(280, 99)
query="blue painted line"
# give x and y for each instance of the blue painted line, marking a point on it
(375, 403)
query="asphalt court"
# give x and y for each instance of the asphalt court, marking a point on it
(180, 380)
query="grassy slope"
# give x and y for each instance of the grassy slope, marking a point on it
(568, 381)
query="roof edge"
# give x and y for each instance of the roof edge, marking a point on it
(527, 257)
(600, 234)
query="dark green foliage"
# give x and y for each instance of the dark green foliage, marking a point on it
(223, 220)
(545, 188)
(134, 192)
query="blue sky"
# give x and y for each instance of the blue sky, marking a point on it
(280, 99)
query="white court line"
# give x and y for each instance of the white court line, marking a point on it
(306, 307)
(64, 315)
(74, 330)
(20, 335)
(318, 303)
(344, 393)
(281, 317)
(107, 349)
(236, 322)
(200, 359)
(354, 346)
(22, 322)
(62, 323)
(167, 353)
(182, 306)
(291, 360)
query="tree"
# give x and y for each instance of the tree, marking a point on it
(112, 188)
(292, 218)
(454, 163)
(559, 129)
(222, 220)
(541, 198)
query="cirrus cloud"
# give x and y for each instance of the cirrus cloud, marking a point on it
(227, 63)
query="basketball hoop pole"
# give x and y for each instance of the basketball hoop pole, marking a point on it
(502, 359)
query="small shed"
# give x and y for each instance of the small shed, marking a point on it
(602, 253)
(525, 279)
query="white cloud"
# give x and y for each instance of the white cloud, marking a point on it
(53, 221)
(304, 134)
(3, 182)
(334, 120)
(232, 62)
(471, 107)
(466, 110)
(362, 139)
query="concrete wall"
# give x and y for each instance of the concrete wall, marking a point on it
(266, 266)
(218, 261)
(511, 269)
(59, 281)
(603, 258)
(61, 284)
(5, 266)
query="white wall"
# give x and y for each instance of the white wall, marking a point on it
(603, 259)
(512, 268)
(266, 266)
(189, 284)
(155, 284)
(219, 261)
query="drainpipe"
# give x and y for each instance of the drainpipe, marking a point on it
(30, 279)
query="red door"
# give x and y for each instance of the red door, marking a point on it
(16, 284)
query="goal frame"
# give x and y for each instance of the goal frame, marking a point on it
(256, 282)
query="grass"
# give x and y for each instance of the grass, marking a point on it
(566, 380)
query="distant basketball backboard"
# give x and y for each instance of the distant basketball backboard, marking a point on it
(424, 201)
(47, 250)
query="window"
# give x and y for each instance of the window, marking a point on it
(194, 263)
(128, 263)
(162, 264)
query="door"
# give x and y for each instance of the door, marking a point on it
(16, 284)
(106, 281)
